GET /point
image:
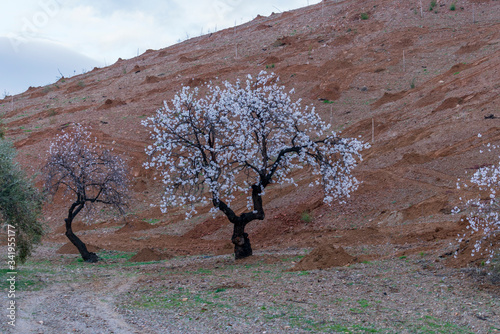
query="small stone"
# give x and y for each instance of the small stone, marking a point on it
(364, 89)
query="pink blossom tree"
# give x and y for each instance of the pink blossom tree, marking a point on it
(89, 175)
(238, 139)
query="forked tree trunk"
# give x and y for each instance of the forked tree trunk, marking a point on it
(242, 247)
(86, 255)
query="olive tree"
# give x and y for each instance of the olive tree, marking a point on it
(20, 203)
(238, 139)
(89, 176)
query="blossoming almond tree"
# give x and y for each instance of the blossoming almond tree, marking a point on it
(240, 138)
(88, 174)
(484, 213)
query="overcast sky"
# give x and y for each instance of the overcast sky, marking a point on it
(40, 38)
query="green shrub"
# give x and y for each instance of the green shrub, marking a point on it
(412, 83)
(20, 203)
(432, 5)
(306, 217)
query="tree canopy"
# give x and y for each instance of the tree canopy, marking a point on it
(239, 138)
(89, 176)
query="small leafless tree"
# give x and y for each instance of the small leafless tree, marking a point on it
(89, 175)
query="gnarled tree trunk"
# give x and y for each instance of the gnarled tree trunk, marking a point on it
(242, 247)
(86, 255)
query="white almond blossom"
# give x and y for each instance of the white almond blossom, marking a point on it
(89, 176)
(239, 138)
(483, 215)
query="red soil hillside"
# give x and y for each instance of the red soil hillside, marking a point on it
(428, 85)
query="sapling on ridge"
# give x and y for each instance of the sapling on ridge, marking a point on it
(239, 138)
(89, 175)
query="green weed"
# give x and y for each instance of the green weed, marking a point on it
(412, 83)
(115, 255)
(432, 5)
(434, 325)
(306, 217)
(151, 221)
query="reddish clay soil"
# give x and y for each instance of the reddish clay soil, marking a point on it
(69, 248)
(323, 257)
(419, 88)
(148, 254)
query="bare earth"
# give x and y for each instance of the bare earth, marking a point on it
(419, 88)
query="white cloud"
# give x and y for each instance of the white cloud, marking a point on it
(37, 63)
(107, 30)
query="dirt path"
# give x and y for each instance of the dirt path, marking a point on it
(86, 307)
(215, 294)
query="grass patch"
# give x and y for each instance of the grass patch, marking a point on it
(180, 299)
(24, 280)
(151, 221)
(363, 303)
(115, 255)
(434, 325)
